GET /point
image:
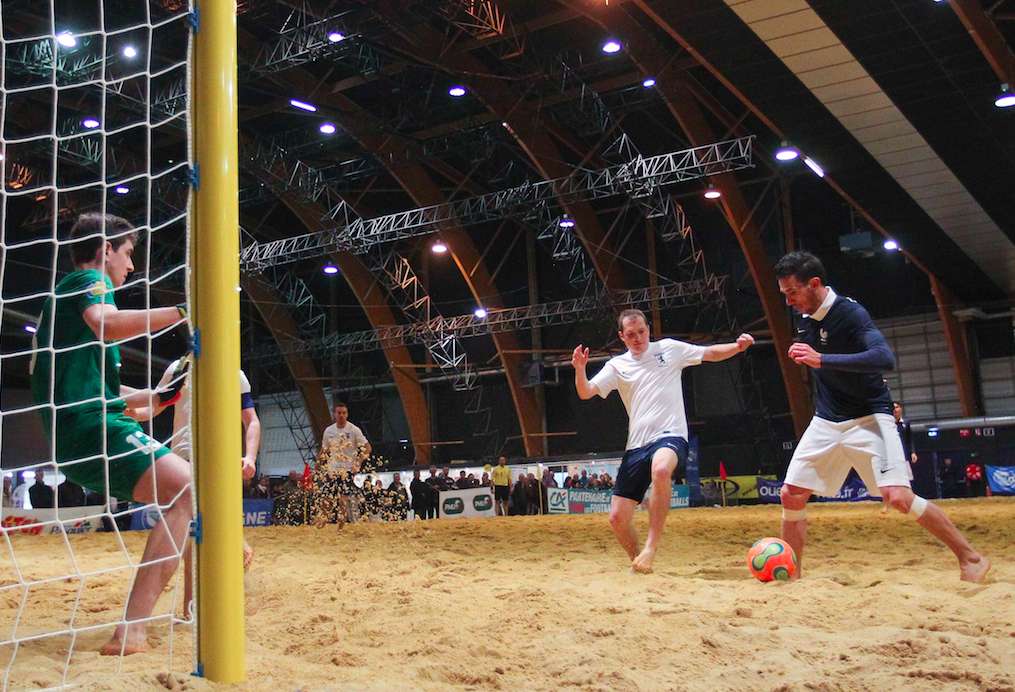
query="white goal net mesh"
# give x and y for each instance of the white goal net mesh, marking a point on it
(94, 120)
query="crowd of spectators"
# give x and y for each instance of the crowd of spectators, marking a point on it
(601, 481)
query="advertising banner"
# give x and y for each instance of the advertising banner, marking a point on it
(471, 502)
(736, 487)
(852, 490)
(680, 497)
(73, 518)
(556, 501)
(1001, 479)
(590, 500)
(255, 513)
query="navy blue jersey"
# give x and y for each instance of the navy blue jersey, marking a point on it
(849, 383)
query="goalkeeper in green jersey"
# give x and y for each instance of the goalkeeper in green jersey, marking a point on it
(76, 375)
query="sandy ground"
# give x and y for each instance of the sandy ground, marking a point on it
(545, 603)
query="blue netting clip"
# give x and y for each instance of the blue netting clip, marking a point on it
(199, 673)
(194, 18)
(195, 343)
(194, 176)
(195, 529)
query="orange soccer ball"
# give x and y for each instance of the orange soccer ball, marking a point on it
(771, 558)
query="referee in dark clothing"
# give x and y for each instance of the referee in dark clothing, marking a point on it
(853, 426)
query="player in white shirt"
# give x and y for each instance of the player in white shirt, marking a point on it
(648, 379)
(180, 442)
(343, 448)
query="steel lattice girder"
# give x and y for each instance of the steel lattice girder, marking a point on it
(681, 294)
(638, 178)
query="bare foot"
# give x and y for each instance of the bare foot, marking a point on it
(136, 642)
(248, 556)
(976, 571)
(643, 563)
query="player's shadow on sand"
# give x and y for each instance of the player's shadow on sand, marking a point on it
(725, 574)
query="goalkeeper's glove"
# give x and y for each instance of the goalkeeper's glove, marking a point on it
(171, 393)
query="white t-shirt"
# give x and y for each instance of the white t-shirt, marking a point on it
(650, 388)
(344, 443)
(180, 444)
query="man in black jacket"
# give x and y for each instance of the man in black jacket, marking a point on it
(420, 492)
(40, 494)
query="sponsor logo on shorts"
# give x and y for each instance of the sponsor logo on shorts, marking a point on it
(482, 503)
(143, 442)
(453, 505)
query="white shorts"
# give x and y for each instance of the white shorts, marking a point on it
(827, 451)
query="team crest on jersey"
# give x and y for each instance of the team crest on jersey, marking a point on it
(823, 334)
(98, 288)
(661, 358)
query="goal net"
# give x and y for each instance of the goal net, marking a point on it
(94, 120)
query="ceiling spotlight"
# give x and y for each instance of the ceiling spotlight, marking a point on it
(303, 105)
(90, 123)
(712, 193)
(456, 91)
(1006, 99)
(129, 52)
(66, 39)
(439, 248)
(122, 189)
(649, 83)
(611, 46)
(336, 37)
(330, 269)
(566, 222)
(813, 165)
(328, 128)
(479, 312)
(890, 245)
(31, 328)
(785, 152)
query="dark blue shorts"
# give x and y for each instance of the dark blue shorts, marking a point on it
(635, 474)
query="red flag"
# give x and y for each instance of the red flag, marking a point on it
(307, 481)
(722, 471)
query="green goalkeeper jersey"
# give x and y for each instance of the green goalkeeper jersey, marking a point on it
(77, 363)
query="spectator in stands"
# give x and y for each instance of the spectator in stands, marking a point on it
(594, 482)
(583, 481)
(520, 496)
(70, 495)
(976, 481)
(569, 481)
(548, 480)
(420, 493)
(501, 478)
(951, 478)
(434, 483)
(605, 481)
(445, 481)
(8, 499)
(462, 482)
(535, 491)
(40, 494)
(261, 489)
(485, 481)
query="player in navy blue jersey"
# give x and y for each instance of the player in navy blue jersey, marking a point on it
(853, 426)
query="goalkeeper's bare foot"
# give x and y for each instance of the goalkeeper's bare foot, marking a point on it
(975, 572)
(134, 642)
(643, 563)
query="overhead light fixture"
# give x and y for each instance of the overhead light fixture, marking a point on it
(932, 432)
(612, 46)
(336, 37)
(303, 105)
(1006, 99)
(566, 222)
(328, 128)
(813, 165)
(90, 123)
(649, 83)
(457, 91)
(129, 52)
(330, 269)
(890, 245)
(66, 39)
(122, 189)
(479, 312)
(439, 248)
(785, 152)
(712, 193)
(31, 328)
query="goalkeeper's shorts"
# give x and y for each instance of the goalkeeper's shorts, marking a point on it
(129, 450)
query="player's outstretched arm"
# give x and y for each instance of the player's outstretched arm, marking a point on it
(110, 324)
(719, 352)
(579, 360)
(251, 441)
